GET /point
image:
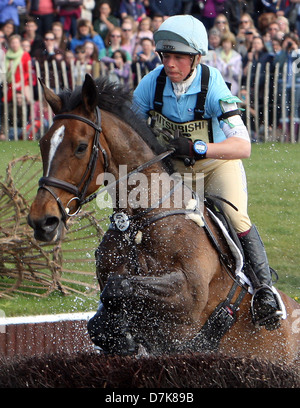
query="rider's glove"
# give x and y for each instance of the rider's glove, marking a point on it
(188, 151)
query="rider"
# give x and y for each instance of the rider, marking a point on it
(185, 95)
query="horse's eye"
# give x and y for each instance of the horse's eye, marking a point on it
(81, 148)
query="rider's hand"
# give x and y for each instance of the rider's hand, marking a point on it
(183, 147)
(184, 150)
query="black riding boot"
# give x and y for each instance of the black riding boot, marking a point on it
(265, 310)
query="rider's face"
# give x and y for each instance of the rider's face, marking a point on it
(177, 66)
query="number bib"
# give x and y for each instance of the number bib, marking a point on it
(195, 129)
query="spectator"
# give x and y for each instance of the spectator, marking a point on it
(86, 32)
(113, 42)
(247, 23)
(146, 58)
(249, 36)
(87, 9)
(266, 36)
(165, 8)
(128, 38)
(26, 45)
(69, 12)
(8, 28)
(284, 25)
(214, 41)
(9, 11)
(49, 54)
(214, 38)
(91, 52)
(43, 11)
(264, 20)
(229, 62)
(234, 9)
(14, 57)
(133, 8)
(276, 46)
(273, 30)
(156, 21)
(80, 67)
(289, 55)
(119, 68)
(30, 34)
(278, 7)
(143, 31)
(241, 42)
(61, 41)
(257, 54)
(144, 28)
(211, 8)
(106, 21)
(221, 24)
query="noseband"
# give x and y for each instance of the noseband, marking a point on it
(80, 190)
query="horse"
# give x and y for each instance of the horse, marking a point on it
(164, 268)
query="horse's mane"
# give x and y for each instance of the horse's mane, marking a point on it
(116, 99)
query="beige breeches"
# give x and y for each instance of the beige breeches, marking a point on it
(224, 178)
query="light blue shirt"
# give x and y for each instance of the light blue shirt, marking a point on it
(182, 110)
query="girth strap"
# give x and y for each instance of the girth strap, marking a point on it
(218, 323)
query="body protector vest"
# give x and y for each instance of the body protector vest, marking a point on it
(199, 128)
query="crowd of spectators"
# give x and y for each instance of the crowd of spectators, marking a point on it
(120, 34)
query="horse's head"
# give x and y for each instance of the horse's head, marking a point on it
(70, 162)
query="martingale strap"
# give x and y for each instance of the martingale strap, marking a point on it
(218, 323)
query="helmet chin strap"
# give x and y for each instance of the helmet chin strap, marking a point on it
(193, 66)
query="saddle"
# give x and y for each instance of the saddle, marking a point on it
(225, 314)
(212, 204)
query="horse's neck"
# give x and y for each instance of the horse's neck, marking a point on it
(126, 147)
(128, 151)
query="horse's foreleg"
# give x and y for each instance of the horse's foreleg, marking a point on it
(168, 288)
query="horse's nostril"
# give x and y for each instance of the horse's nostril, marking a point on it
(49, 224)
(51, 221)
(46, 229)
(46, 224)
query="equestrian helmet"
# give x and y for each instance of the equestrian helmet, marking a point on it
(182, 34)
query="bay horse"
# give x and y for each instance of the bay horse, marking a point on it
(165, 286)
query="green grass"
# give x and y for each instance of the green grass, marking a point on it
(273, 174)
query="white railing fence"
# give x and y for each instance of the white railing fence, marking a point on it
(270, 107)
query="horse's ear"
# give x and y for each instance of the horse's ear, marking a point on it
(89, 94)
(53, 99)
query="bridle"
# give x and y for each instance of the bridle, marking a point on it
(80, 190)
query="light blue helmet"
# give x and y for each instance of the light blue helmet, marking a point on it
(183, 34)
